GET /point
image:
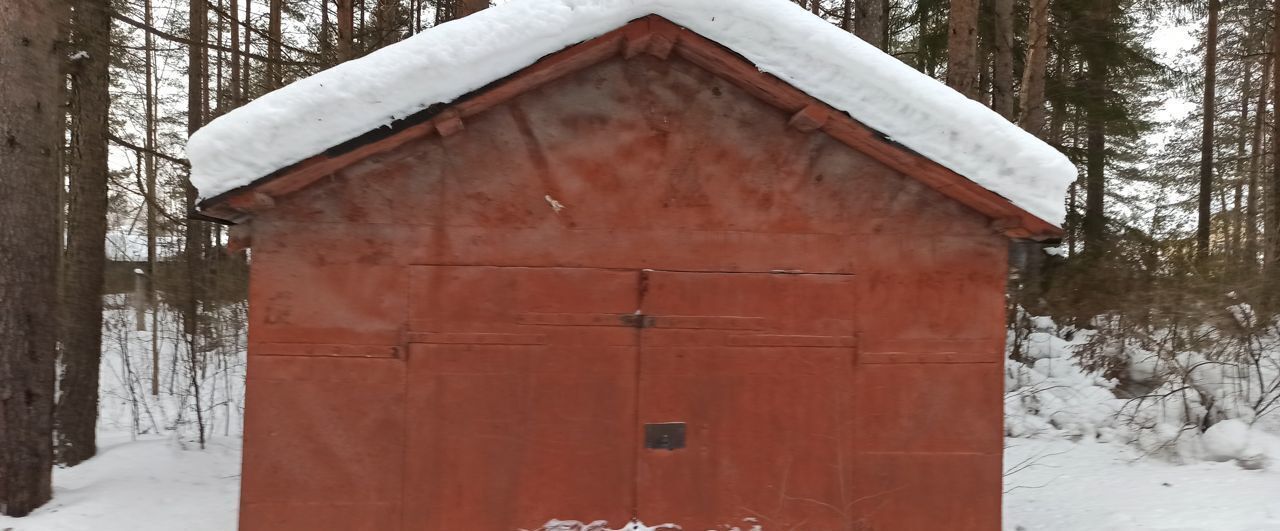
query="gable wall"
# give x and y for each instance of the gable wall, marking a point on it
(660, 165)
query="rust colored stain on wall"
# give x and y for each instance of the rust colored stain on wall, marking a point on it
(472, 331)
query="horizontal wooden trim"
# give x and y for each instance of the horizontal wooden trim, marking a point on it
(773, 340)
(476, 338)
(572, 319)
(894, 358)
(708, 322)
(325, 350)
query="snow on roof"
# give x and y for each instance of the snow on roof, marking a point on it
(441, 64)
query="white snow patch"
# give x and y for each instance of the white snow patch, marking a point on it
(600, 525)
(1226, 440)
(144, 485)
(778, 36)
(1058, 485)
(79, 56)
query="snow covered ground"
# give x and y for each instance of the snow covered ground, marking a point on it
(1059, 485)
(155, 485)
(148, 484)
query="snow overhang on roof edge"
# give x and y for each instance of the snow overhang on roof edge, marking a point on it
(439, 65)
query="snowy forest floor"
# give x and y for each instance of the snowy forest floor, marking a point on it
(153, 484)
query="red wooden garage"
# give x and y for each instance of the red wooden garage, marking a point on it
(637, 279)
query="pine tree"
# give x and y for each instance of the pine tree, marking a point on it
(76, 415)
(31, 132)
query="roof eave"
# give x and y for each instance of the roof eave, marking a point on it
(655, 36)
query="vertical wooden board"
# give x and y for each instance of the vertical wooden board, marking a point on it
(303, 301)
(510, 437)
(930, 407)
(321, 432)
(927, 492)
(767, 437)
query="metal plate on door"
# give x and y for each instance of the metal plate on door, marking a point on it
(664, 436)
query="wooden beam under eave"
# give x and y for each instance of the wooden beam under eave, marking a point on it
(839, 125)
(546, 70)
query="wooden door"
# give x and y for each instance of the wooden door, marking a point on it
(529, 391)
(758, 368)
(521, 397)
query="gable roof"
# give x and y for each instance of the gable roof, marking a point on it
(780, 52)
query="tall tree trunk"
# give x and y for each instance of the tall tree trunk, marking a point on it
(236, 100)
(246, 92)
(869, 21)
(1242, 129)
(346, 29)
(326, 33)
(1031, 117)
(1206, 139)
(149, 165)
(220, 95)
(193, 237)
(31, 132)
(76, 415)
(962, 47)
(467, 7)
(1272, 225)
(274, 77)
(1255, 169)
(1094, 224)
(387, 22)
(1002, 76)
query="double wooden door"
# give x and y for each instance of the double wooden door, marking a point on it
(704, 399)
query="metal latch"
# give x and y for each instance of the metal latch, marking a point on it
(664, 436)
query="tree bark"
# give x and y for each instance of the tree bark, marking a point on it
(1002, 74)
(193, 235)
(1255, 169)
(1031, 117)
(387, 22)
(869, 21)
(962, 47)
(346, 29)
(236, 100)
(1204, 210)
(1272, 225)
(1237, 214)
(76, 415)
(246, 91)
(31, 132)
(1094, 225)
(275, 79)
(149, 165)
(326, 33)
(447, 10)
(467, 7)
